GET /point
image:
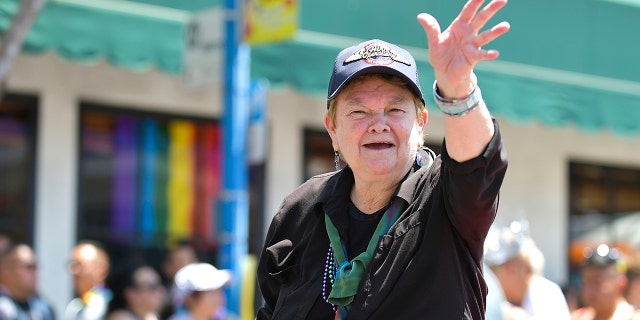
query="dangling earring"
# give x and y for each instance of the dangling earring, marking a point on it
(336, 160)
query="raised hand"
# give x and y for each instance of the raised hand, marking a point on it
(454, 52)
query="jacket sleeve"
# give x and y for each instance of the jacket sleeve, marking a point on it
(269, 286)
(471, 190)
(277, 262)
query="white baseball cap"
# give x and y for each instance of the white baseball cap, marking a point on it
(199, 277)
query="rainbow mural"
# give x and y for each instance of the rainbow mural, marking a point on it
(163, 177)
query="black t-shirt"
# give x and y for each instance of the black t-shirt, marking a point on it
(361, 228)
(24, 305)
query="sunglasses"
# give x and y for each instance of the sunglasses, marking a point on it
(603, 255)
(149, 287)
(29, 266)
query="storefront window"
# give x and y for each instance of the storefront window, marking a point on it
(18, 120)
(148, 181)
(604, 208)
(318, 153)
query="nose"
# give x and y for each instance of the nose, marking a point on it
(378, 123)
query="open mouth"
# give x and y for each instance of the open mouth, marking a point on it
(379, 145)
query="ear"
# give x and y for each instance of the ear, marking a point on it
(423, 118)
(623, 281)
(103, 270)
(128, 293)
(331, 129)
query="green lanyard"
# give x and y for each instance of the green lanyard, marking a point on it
(349, 273)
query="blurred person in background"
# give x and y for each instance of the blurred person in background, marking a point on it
(5, 242)
(181, 254)
(200, 287)
(138, 294)
(89, 267)
(572, 295)
(496, 302)
(632, 294)
(518, 264)
(603, 285)
(18, 292)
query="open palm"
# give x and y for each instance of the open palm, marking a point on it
(454, 52)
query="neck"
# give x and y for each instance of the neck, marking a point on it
(620, 310)
(19, 296)
(198, 316)
(371, 197)
(143, 313)
(87, 293)
(525, 288)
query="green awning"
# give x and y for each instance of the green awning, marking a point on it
(516, 91)
(570, 62)
(131, 35)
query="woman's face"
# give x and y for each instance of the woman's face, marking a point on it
(207, 303)
(147, 293)
(376, 128)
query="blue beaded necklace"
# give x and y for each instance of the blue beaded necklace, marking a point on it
(329, 276)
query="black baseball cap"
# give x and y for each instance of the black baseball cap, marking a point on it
(373, 56)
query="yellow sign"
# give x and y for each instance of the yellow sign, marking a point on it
(270, 20)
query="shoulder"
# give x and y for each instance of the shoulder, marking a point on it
(543, 289)
(312, 186)
(545, 284)
(42, 304)
(101, 295)
(583, 314)
(180, 316)
(305, 196)
(8, 309)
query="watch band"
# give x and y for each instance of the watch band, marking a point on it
(457, 107)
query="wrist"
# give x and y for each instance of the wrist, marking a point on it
(456, 89)
(459, 106)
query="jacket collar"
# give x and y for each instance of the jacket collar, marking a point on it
(335, 196)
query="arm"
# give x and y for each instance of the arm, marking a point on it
(269, 287)
(453, 55)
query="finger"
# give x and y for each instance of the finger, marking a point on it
(481, 54)
(431, 27)
(492, 34)
(486, 14)
(469, 10)
(489, 54)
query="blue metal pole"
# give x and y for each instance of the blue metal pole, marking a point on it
(234, 197)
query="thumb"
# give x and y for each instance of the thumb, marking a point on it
(430, 25)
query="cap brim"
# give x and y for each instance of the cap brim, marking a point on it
(378, 69)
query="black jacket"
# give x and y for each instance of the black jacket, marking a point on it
(428, 266)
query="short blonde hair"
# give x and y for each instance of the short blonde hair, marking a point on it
(532, 256)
